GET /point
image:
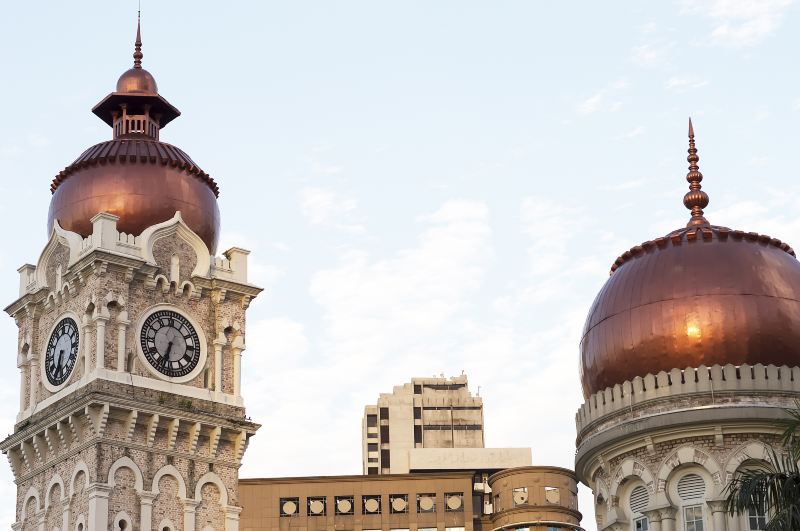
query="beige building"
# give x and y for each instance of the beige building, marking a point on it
(431, 424)
(529, 498)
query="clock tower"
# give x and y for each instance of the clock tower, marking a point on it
(131, 333)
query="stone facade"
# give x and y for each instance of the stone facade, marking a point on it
(118, 445)
(680, 436)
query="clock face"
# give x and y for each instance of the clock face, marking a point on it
(170, 343)
(62, 351)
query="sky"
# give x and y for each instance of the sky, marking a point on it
(426, 187)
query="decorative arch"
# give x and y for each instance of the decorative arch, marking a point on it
(176, 225)
(631, 468)
(750, 450)
(80, 523)
(125, 462)
(33, 492)
(122, 516)
(55, 480)
(688, 455)
(211, 477)
(169, 470)
(80, 466)
(58, 236)
(166, 522)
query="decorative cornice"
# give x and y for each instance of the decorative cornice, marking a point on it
(135, 150)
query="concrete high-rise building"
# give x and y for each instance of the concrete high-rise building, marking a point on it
(431, 424)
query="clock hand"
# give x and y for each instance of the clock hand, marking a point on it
(58, 369)
(165, 359)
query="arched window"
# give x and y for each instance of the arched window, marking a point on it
(639, 500)
(692, 491)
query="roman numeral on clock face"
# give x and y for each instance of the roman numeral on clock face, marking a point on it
(170, 343)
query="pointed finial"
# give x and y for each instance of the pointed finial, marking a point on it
(695, 199)
(137, 54)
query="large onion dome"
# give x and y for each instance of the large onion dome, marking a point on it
(135, 176)
(701, 295)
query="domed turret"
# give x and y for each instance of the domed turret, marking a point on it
(134, 175)
(701, 295)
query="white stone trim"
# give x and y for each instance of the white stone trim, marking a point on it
(80, 466)
(177, 226)
(43, 354)
(125, 462)
(55, 480)
(201, 364)
(32, 492)
(166, 522)
(626, 395)
(211, 477)
(81, 519)
(169, 470)
(58, 236)
(122, 515)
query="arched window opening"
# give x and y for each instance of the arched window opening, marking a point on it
(692, 491)
(639, 500)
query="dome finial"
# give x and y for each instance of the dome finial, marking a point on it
(137, 54)
(695, 199)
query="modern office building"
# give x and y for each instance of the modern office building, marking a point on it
(431, 424)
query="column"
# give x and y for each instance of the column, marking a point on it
(122, 327)
(654, 519)
(734, 522)
(100, 327)
(65, 512)
(87, 358)
(718, 515)
(98, 507)
(189, 508)
(146, 509)
(40, 520)
(34, 365)
(218, 345)
(667, 518)
(23, 385)
(232, 518)
(237, 371)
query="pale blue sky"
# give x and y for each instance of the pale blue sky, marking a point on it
(426, 186)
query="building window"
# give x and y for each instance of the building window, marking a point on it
(398, 503)
(693, 518)
(520, 496)
(372, 447)
(417, 389)
(426, 529)
(372, 421)
(550, 528)
(523, 528)
(641, 524)
(756, 521)
(316, 506)
(496, 503)
(426, 503)
(372, 471)
(385, 461)
(372, 435)
(453, 529)
(417, 434)
(290, 507)
(372, 460)
(417, 413)
(552, 495)
(371, 504)
(454, 502)
(344, 505)
(384, 411)
(384, 434)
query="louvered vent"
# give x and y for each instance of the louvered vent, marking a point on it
(639, 499)
(691, 487)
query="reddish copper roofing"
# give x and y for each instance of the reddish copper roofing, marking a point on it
(142, 150)
(144, 182)
(701, 295)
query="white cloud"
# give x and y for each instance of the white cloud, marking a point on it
(324, 207)
(680, 84)
(796, 105)
(636, 131)
(648, 55)
(740, 23)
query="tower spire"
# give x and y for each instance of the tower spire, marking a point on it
(137, 54)
(695, 199)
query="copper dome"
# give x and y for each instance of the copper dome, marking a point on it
(135, 176)
(137, 81)
(701, 295)
(141, 180)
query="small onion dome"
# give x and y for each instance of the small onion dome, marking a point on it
(701, 295)
(137, 81)
(141, 180)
